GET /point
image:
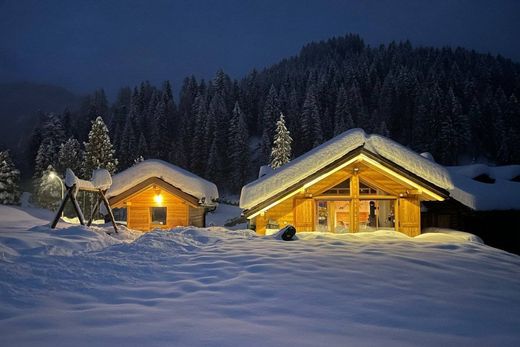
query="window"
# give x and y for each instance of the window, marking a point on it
(158, 215)
(120, 214)
(341, 189)
(365, 189)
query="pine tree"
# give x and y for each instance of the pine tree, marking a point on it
(9, 180)
(310, 123)
(212, 167)
(70, 156)
(142, 147)
(198, 152)
(342, 117)
(47, 156)
(281, 152)
(99, 152)
(238, 150)
(159, 131)
(128, 145)
(270, 113)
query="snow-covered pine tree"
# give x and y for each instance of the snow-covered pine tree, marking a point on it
(49, 189)
(70, 156)
(9, 179)
(99, 152)
(281, 152)
(238, 149)
(46, 157)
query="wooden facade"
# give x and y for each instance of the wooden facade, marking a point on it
(154, 204)
(357, 193)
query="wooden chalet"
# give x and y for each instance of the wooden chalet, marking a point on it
(352, 183)
(158, 195)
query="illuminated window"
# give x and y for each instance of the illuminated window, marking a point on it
(158, 215)
(340, 189)
(365, 189)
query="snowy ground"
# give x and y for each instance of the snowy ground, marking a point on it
(210, 287)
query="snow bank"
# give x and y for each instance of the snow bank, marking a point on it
(213, 287)
(503, 194)
(332, 150)
(174, 175)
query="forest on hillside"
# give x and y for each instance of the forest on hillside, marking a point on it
(459, 105)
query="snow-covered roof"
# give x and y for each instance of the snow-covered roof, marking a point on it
(502, 194)
(100, 180)
(457, 181)
(332, 150)
(184, 180)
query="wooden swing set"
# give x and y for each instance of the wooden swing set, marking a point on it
(99, 184)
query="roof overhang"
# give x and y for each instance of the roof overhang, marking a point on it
(359, 154)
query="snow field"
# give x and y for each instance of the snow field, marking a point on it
(215, 287)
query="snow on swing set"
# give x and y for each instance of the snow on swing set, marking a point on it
(100, 183)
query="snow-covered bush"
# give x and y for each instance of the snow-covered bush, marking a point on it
(9, 179)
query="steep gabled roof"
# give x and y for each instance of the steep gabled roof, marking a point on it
(333, 150)
(179, 178)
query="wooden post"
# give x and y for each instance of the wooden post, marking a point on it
(94, 211)
(109, 209)
(354, 204)
(60, 210)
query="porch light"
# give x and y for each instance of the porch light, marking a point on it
(158, 198)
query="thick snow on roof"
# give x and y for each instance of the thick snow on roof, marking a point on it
(100, 180)
(174, 175)
(332, 150)
(503, 194)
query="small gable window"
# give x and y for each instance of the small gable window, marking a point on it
(365, 189)
(340, 189)
(158, 215)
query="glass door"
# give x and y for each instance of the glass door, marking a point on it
(376, 214)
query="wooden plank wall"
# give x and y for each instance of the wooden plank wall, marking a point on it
(139, 214)
(282, 214)
(304, 212)
(197, 216)
(409, 222)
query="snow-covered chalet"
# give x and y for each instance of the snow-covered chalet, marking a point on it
(156, 194)
(359, 182)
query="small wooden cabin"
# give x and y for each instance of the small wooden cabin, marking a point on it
(158, 195)
(351, 183)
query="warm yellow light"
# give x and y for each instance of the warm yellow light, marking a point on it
(158, 198)
(52, 174)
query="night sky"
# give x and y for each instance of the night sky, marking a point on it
(83, 45)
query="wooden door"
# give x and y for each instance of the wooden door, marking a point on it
(304, 214)
(409, 218)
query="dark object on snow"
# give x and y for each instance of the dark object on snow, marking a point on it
(288, 232)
